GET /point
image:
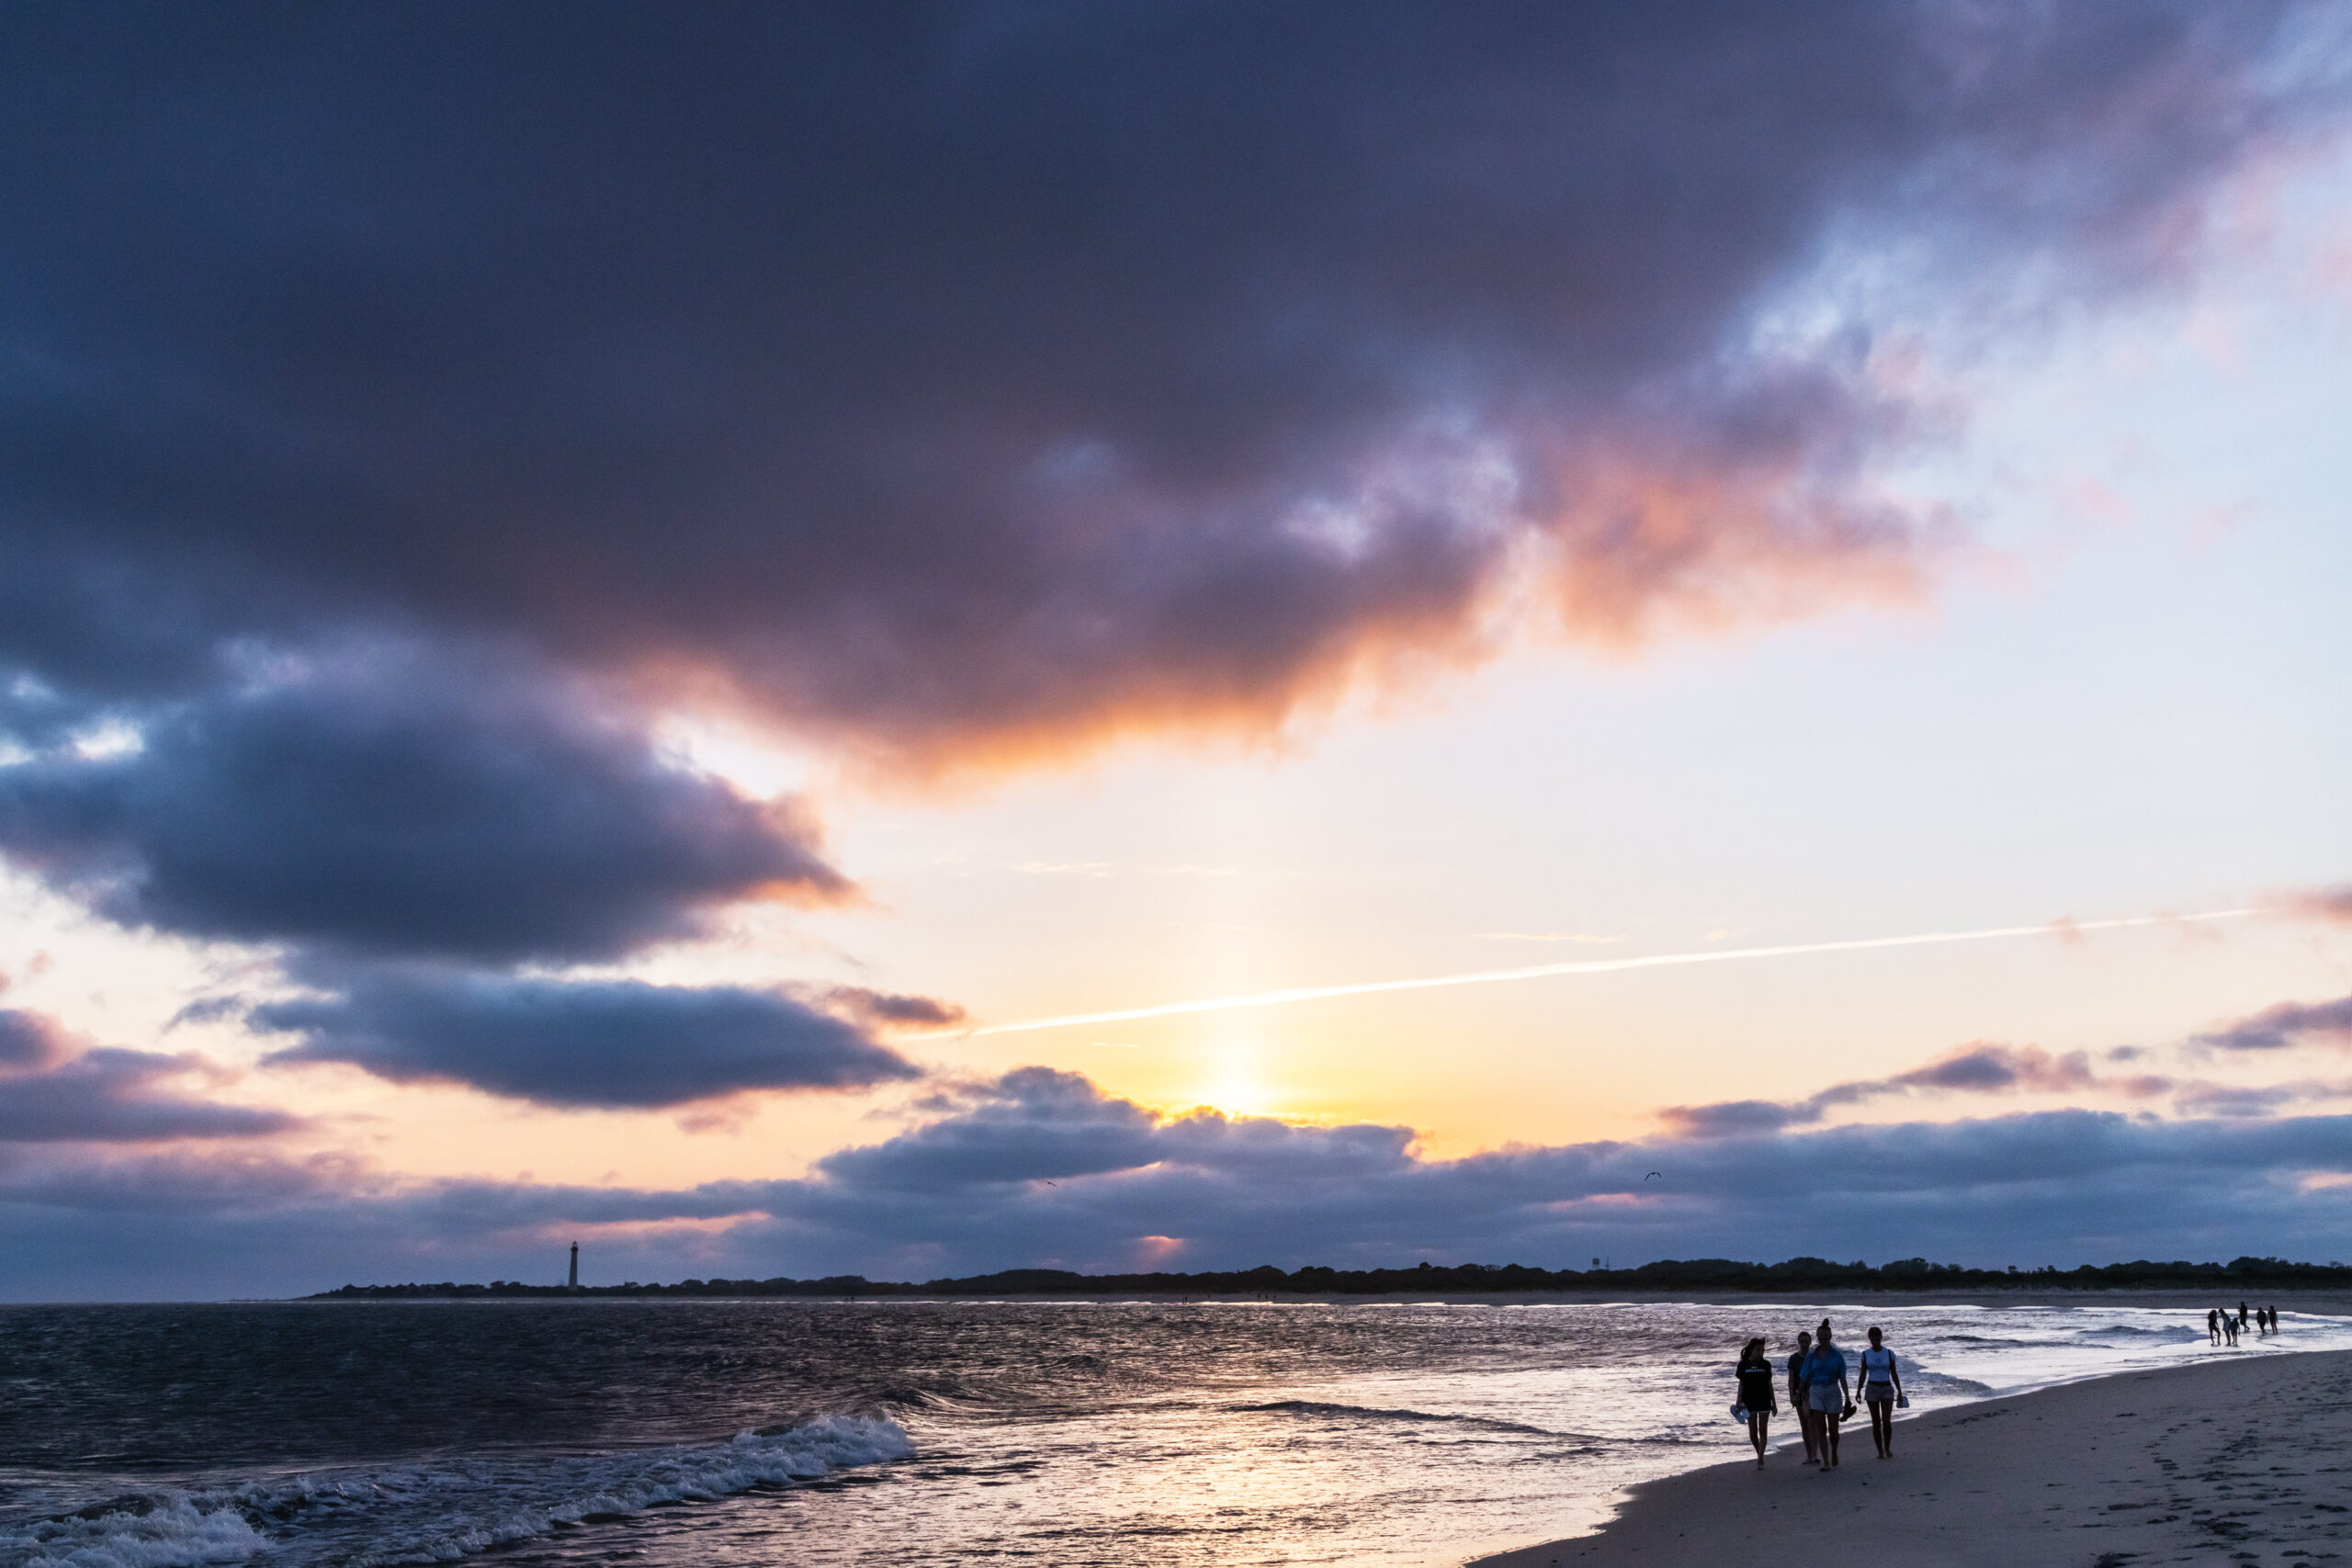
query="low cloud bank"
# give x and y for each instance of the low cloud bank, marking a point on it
(1043, 1168)
(1981, 1068)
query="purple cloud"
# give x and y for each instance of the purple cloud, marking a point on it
(2287, 1023)
(52, 1089)
(2320, 903)
(941, 382)
(1981, 1068)
(606, 1044)
(399, 803)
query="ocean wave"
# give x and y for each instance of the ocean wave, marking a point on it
(171, 1531)
(1931, 1381)
(440, 1513)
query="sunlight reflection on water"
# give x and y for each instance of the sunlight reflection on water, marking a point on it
(1051, 1433)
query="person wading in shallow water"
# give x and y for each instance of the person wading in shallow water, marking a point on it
(2213, 1325)
(1881, 1386)
(1756, 1394)
(1797, 1397)
(1825, 1371)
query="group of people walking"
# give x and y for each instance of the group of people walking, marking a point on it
(1818, 1387)
(2222, 1328)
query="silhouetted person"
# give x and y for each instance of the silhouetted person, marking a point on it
(1881, 1386)
(1825, 1375)
(2213, 1325)
(2230, 1327)
(1799, 1392)
(1756, 1393)
(2274, 1320)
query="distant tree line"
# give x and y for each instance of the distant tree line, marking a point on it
(1693, 1274)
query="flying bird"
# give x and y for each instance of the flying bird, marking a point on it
(1654, 1173)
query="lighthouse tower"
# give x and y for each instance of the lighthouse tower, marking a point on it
(575, 1280)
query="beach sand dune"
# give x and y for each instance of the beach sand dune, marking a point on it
(2230, 1462)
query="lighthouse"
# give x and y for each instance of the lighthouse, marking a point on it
(575, 1280)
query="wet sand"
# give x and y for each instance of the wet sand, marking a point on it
(2230, 1462)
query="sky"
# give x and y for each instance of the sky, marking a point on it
(800, 640)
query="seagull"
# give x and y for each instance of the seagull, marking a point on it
(1654, 1173)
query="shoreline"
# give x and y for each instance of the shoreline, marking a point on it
(2218, 1461)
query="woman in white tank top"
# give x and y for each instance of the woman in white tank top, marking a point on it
(1881, 1386)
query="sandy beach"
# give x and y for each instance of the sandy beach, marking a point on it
(2227, 1462)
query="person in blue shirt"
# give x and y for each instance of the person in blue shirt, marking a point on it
(1825, 1376)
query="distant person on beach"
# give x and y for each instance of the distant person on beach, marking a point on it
(2274, 1320)
(2213, 1325)
(1824, 1373)
(1799, 1391)
(2230, 1327)
(1881, 1386)
(1756, 1394)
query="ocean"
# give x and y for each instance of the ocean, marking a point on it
(659, 1433)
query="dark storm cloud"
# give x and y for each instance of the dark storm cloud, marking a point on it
(936, 372)
(606, 1044)
(386, 802)
(52, 1092)
(2288, 1023)
(1043, 1168)
(1980, 1068)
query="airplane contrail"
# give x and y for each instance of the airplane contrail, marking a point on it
(1583, 966)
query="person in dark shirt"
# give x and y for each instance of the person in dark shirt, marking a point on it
(1805, 1426)
(1756, 1393)
(2213, 1324)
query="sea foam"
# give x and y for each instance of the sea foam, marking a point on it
(443, 1512)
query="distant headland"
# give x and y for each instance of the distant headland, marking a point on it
(1712, 1274)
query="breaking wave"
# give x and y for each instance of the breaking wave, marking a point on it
(437, 1512)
